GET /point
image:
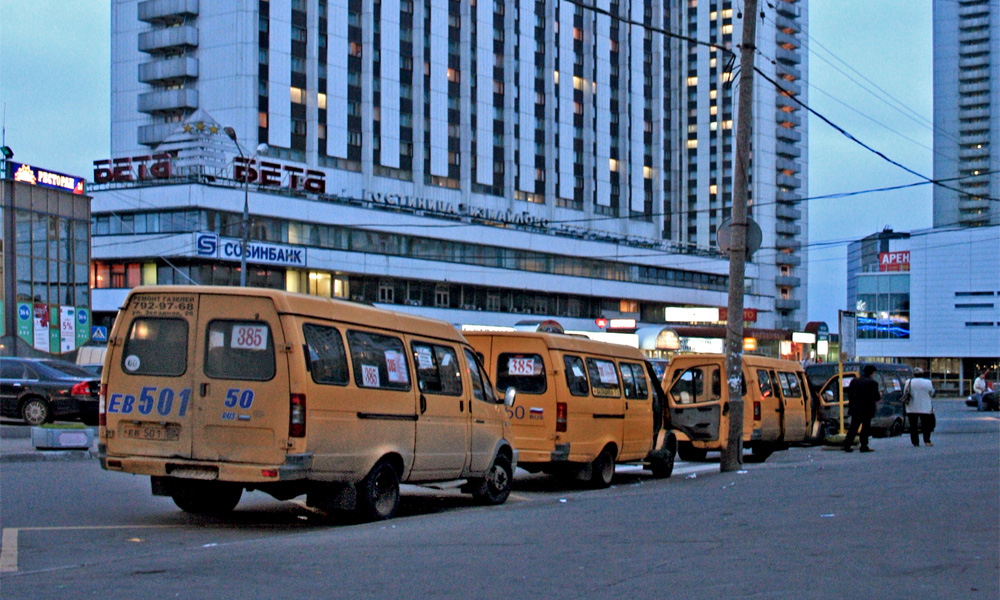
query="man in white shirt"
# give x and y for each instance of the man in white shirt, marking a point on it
(919, 409)
(978, 389)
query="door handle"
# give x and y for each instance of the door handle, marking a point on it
(461, 406)
(203, 390)
(423, 404)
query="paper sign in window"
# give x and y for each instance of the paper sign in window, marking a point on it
(577, 371)
(370, 376)
(424, 360)
(395, 365)
(521, 366)
(249, 337)
(606, 371)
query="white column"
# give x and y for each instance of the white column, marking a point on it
(526, 96)
(603, 100)
(337, 49)
(439, 87)
(390, 83)
(279, 75)
(566, 178)
(637, 104)
(484, 92)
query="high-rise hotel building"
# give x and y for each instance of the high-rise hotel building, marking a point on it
(559, 158)
(966, 112)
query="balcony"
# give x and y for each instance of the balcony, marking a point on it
(153, 135)
(974, 154)
(971, 62)
(167, 12)
(783, 38)
(786, 69)
(981, 86)
(785, 181)
(786, 228)
(786, 324)
(787, 212)
(172, 39)
(787, 304)
(788, 135)
(783, 148)
(787, 244)
(787, 56)
(168, 100)
(787, 281)
(967, 10)
(179, 68)
(788, 197)
(792, 118)
(786, 164)
(974, 113)
(787, 9)
(783, 258)
(971, 36)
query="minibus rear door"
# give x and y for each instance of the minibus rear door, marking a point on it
(241, 397)
(695, 399)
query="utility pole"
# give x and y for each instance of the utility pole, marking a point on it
(732, 453)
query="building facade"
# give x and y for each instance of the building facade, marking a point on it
(966, 112)
(520, 157)
(44, 260)
(929, 298)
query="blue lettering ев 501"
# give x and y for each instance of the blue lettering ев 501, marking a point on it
(149, 398)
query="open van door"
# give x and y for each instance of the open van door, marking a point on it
(695, 399)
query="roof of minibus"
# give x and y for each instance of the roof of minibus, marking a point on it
(568, 343)
(321, 308)
(750, 360)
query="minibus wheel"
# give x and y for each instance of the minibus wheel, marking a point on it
(689, 453)
(602, 470)
(495, 487)
(205, 497)
(662, 467)
(378, 493)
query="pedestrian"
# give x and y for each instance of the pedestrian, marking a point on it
(979, 388)
(863, 395)
(919, 410)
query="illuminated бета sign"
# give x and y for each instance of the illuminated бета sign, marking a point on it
(42, 177)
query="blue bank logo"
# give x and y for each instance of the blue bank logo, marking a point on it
(24, 312)
(206, 244)
(82, 316)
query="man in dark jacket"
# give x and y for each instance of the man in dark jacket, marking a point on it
(864, 396)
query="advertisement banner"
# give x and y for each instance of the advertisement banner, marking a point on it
(894, 261)
(82, 325)
(848, 334)
(67, 329)
(40, 337)
(210, 245)
(24, 322)
(54, 335)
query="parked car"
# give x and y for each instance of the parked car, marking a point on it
(990, 401)
(41, 390)
(890, 412)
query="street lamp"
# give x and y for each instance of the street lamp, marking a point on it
(261, 148)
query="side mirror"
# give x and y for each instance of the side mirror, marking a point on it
(508, 397)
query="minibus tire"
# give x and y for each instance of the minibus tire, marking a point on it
(205, 497)
(662, 468)
(761, 450)
(378, 493)
(689, 453)
(495, 487)
(602, 470)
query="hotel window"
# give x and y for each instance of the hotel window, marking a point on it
(386, 293)
(298, 95)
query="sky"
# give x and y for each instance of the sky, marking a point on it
(869, 71)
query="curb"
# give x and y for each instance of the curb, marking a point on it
(47, 456)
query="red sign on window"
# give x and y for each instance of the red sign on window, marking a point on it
(894, 261)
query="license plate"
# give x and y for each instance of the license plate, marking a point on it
(154, 432)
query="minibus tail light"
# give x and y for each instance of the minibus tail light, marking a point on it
(80, 389)
(297, 416)
(756, 411)
(560, 416)
(102, 418)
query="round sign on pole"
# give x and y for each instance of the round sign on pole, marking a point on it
(754, 235)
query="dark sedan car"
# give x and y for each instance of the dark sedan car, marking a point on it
(42, 390)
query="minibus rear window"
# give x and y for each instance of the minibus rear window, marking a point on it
(240, 350)
(603, 378)
(690, 386)
(524, 372)
(156, 346)
(576, 376)
(379, 361)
